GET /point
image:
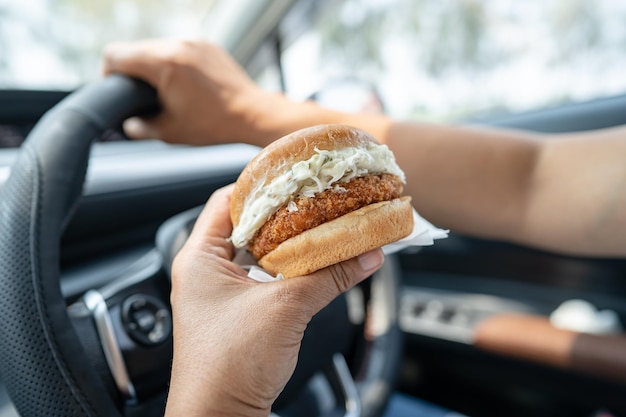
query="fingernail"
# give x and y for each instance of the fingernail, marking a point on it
(371, 260)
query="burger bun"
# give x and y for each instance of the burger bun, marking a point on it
(346, 237)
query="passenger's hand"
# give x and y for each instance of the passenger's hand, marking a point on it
(236, 341)
(206, 96)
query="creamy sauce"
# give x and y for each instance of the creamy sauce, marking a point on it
(321, 172)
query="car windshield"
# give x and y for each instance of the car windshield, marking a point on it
(423, 60)
(57, 45)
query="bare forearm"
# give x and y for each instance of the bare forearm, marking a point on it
(472, 180)
(281, 116)
(564, 193)
(579, 194)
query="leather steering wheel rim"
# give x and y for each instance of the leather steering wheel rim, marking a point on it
(42, 362)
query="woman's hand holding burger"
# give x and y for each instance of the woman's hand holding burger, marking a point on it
(217, 325)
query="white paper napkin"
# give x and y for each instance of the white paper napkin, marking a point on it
(424, 234)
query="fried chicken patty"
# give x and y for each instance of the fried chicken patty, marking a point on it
(328, 205)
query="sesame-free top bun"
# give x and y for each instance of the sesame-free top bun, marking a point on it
(350, 235)
(281, 154)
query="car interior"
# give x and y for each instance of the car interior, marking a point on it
(90, 221)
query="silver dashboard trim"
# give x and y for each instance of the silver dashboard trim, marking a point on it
(96, 304)
(346, 382)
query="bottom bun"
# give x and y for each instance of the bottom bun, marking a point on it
(367, 228)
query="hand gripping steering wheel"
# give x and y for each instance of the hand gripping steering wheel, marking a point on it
(60, 360)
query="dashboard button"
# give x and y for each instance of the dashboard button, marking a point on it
(146, 319)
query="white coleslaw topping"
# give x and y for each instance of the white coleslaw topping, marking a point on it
(306, 178)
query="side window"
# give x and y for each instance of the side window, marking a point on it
(450, 60)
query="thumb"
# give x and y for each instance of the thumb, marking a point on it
(142, 128)
(323, 286)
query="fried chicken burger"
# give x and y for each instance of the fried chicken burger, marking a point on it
(317, 197)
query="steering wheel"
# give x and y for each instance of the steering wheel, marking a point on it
(108, 354)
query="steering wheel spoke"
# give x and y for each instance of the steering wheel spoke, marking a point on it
(133, 320)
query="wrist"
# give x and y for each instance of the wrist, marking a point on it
(282, 116)
(192, 402)
(279, 116)
(196, 391)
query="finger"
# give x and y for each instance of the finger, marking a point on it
(143, 128)
(135, 59)
(320, 288)
(214, 220)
